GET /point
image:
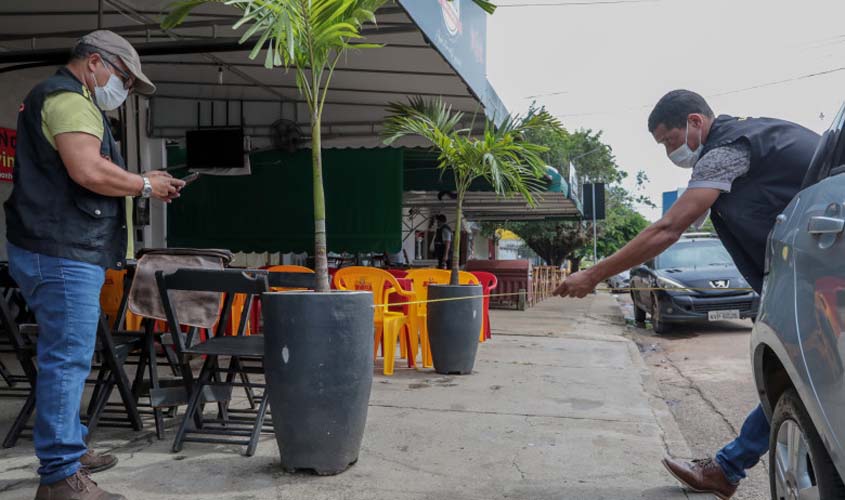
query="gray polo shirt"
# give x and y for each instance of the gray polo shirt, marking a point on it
(721, 166)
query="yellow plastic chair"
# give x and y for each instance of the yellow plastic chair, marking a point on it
(238, 305)
(111, 294)
(422, 278)
(287, 268)
(388, 324)
(133, 321)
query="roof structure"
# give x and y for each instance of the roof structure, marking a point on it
(205, 77)
(202, 62)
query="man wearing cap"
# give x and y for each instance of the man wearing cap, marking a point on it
(67, 221)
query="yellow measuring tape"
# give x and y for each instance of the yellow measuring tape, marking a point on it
(654, 289)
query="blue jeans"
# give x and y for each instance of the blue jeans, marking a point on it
(65, 297)
(745, 451)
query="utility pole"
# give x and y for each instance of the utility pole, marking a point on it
(593, 184)
(595, 231)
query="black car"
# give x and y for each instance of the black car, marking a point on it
(693, 280)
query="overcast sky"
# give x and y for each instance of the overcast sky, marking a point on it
(603, 65)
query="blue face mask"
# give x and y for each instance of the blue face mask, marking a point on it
(684, 156)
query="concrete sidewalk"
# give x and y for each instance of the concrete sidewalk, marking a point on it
(561, 407)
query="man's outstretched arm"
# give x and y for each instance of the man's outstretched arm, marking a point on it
(659, 236)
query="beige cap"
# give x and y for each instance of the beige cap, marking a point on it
(113, 44)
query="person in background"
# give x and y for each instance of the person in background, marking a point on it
(745, 171)
(66, 222)
(396, 259)
(443, 243)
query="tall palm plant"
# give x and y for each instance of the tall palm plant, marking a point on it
(500, 155)
(309, 36)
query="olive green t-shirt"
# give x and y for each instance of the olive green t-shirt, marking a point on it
(64, 112)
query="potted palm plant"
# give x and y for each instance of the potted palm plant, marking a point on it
(318, 346)
(500, 155)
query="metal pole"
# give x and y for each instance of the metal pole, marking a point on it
(595, 240)
(100, 14)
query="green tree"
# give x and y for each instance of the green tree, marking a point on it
(622, 224)
(555, 241)
(501, 155)
(707, 227)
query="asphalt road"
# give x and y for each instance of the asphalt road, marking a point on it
(704, 373)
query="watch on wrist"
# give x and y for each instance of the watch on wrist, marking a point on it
(147, 190)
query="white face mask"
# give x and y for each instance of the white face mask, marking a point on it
(684, 156)
(112, 95)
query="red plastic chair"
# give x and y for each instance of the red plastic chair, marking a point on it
(255, 314)
(488, 283)
(399, 273)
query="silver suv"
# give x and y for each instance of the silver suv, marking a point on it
(798, 343)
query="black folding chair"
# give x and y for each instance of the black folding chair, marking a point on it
(25, 354)
(209, 386)
(149, 390)
(109, 369)
(17, 384)
(234, 425)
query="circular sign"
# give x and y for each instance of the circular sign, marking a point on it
(451, 15)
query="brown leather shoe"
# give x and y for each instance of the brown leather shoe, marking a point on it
(76, 487)
(97, 462)
(701, 476)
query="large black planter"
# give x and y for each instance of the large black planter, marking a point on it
(454, 327)
(319, 369)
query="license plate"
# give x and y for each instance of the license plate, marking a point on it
(723, 315)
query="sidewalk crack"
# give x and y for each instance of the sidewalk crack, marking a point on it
(692, 385)
(507, 414)
(515, 463)
(14, 485)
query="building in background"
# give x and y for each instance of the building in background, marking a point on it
(670, 197)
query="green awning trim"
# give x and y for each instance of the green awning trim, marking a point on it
(272, 209)
(423, 174)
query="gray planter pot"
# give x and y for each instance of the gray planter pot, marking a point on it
(319, 371)
(454, 327)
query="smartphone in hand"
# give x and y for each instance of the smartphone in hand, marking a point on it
(190, 177)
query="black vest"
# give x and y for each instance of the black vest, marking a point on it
(48, 212)
(780, 155)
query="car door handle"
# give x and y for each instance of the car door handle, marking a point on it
(821, 224)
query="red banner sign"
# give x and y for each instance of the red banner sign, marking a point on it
(8, 141)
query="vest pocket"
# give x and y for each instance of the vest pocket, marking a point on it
(98, 208)
(96, 224)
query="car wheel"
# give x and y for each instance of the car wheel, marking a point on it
(639, 314)
(659, 326)
(799, 465)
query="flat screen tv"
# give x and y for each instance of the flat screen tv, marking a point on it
(215, 148)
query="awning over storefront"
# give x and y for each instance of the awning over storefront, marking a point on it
(427, 187)
(205, 78)
(431, 48)
(366, 191)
